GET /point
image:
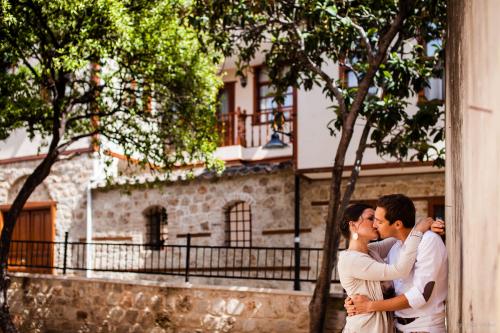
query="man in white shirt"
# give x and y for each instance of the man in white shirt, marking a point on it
(420, 302)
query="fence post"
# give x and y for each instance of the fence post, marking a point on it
(188, 254)
(65, 258)
(296, 242)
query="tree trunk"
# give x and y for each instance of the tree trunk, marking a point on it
(36, 178)
(6, 324)
(318, 305)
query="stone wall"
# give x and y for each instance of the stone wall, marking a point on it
(198, 207)
(60, 304)
(66, 186)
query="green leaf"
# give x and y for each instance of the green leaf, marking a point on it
(332, 10)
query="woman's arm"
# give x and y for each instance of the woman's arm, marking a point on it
(366, 268)
(382, 247)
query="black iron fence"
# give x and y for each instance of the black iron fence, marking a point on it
(259, 263)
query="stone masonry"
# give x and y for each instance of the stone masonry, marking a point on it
(198, 206)
(419, 187)
(61, 304)
(66, 186)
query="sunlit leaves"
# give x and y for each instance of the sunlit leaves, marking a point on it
(155, 96)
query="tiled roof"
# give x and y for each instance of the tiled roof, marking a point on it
(230, 171)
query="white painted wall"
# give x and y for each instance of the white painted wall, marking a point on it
(18, 144)
(473, 166)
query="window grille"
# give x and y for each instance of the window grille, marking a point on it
(156, 227)
(239, 225)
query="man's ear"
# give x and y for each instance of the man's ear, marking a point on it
(399, 224)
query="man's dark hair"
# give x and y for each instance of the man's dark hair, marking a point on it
(351, 213)
(398, 207)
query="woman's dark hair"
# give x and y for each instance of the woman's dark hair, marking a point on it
(351, 213)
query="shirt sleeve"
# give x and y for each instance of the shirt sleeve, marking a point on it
(366, 268)
(431, 253)
(383, 247)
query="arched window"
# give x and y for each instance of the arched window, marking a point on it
(156, 226)
(239, 225)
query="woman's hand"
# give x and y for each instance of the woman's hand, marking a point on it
(438, 227)
(424, 224)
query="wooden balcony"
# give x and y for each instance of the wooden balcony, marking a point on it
(252, 130)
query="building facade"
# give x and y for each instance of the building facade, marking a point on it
(264, 198)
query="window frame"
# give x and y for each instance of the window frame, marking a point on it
(256, 119)
(160, 224)
(228, 223)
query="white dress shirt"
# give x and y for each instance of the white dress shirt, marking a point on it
(431, 266)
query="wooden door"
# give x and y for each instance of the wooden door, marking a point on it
(225, 115)
(31, 249)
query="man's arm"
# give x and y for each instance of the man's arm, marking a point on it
(431, 256)
(358, 304)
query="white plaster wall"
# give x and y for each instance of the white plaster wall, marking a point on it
(473, 155)
(315, 146)
(18, 144)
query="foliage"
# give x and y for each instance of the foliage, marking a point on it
(155, 96)
(302, 39)
(129, 73)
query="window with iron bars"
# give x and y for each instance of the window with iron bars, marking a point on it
(156, 227)
(239, 225)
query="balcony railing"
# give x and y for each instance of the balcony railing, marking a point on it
(252, 130)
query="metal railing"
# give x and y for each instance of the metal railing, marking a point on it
(252, 130)
(257, 263)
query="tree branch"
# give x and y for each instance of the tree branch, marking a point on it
(89, 115)
(365, 42)
(23, 57)
(356, 167)
(384, 44)
(38, 13)
(62, 147)
(330, 83)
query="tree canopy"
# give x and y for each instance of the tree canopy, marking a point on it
(301, 40)
(128, 72)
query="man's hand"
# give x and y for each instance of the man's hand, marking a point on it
(357, 304)
(349, 306)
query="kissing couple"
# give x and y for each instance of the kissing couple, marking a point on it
(397, 284)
